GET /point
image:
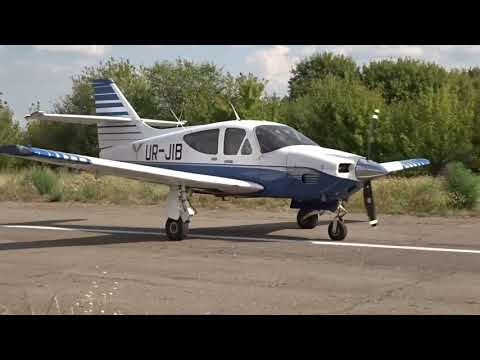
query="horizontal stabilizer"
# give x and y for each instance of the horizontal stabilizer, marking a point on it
(95, 119)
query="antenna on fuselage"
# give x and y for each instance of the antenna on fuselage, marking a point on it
(176, 118)
(235, 111)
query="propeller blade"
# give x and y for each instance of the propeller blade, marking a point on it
(369, 203)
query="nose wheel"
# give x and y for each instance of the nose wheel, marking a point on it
(337, 230)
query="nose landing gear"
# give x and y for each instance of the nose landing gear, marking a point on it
(337, 230)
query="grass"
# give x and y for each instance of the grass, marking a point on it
(423, 195)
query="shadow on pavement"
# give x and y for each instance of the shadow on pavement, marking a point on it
(111, 236)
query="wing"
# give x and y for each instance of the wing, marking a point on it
(133, 171)
(94, 119)
(404, 164)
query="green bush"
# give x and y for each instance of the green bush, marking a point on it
(56, 195)
(88, 192)
(44, 180)
(464, 185)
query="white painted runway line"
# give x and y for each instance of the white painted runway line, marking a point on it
(326, 243)
(103, 231)
(400, 247)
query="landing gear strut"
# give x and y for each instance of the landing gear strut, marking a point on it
(337, 230)
(179, 213)
(308, 218)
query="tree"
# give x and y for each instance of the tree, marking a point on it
(188, 88)
(336, 113)
(403, 79)
(437, 126)
(247, 94)
(317, 67)
(10, 133)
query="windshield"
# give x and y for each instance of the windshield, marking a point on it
(274, 137)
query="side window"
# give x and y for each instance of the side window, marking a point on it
(246, 148)
(233, 140)
(204, 141)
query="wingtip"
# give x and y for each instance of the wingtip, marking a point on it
(16, 150)
(35, 114)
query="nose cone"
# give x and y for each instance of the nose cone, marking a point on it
(367, 170)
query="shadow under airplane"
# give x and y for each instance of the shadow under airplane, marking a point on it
(110, 235)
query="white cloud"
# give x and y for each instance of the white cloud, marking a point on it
(370, 51)
(446, 55)
(276, 62)
(273, 64)
(89, 50)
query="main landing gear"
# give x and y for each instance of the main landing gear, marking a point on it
(179, 213)
(308, 218)
(337, 230)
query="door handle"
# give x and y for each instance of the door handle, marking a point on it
(213, 158)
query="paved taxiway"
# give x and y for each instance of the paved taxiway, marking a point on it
(91, 259)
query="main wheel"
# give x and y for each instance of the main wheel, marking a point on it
(309, 222)
(340, 232)
(176, 229)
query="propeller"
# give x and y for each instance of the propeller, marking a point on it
(367, 187)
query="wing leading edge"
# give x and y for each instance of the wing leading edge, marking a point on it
(133, 171)
(404, 164)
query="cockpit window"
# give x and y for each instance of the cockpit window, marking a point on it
(204, 141)
(233, 140)
(274, 137)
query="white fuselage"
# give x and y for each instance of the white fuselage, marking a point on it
(294, 171)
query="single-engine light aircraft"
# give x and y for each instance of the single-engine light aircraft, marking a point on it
(242, 158)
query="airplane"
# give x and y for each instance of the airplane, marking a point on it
(241, 158)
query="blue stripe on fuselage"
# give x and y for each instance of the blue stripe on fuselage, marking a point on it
(276, 180)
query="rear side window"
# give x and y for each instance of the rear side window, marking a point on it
(246, 148)
(204, 141)
(233, 140)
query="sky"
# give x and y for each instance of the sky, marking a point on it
(31, 73)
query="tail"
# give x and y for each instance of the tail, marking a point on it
(117, 122)
(109, 101)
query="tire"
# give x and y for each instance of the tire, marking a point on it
(308, 223)
(340, 233)
(176, 229)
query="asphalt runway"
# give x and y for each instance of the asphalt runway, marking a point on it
(92, 259)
